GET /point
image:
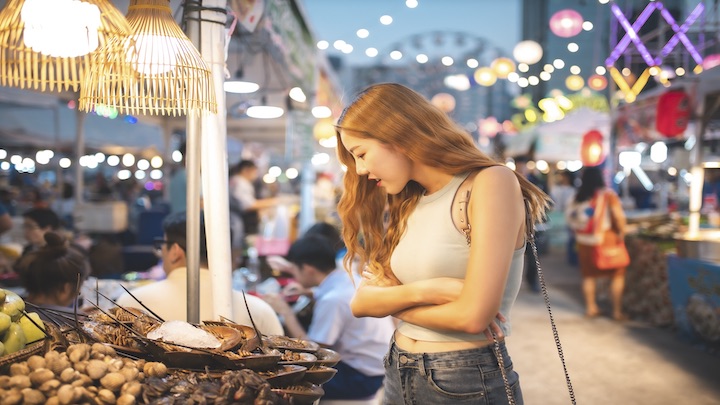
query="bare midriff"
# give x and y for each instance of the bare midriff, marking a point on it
(424, 346)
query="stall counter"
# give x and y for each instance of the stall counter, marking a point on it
(647, 295)
(695, 296)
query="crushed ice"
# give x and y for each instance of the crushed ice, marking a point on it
(185, 334)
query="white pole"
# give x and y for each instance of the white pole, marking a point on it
(166, 155)
(192, 226)
(696, 168)
(79, 152)
(210, 38)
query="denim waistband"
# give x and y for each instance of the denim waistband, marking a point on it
(480, 356)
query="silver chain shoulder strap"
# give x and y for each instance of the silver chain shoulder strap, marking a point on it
(496, 346)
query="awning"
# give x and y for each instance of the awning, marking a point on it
(23, 125)
(521, 143)
(561, 140)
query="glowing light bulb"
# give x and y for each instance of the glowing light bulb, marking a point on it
(60, 28)
(153, 55)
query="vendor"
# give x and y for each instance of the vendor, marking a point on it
(168, 298)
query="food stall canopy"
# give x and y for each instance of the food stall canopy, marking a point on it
(521, 143)
(28, 119)
(279, 53)
(561, 140)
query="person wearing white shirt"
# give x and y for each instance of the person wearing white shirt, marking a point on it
(168, 297)
(361, 342)
(243, 190)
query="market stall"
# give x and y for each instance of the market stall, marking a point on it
(677, 252)
(562, 140)
(124, 355)
(130, 356)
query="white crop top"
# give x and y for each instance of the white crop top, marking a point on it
(433, 247)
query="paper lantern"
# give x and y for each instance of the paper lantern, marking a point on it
(324, 129)
(168, 75)
(528, 51)
(597, 82)
(509, 128)
(711, 61)
(673, 113)
(50, 45)
(489, 127)
(566, 23)
(592, 152)
(444, 101)
(485, 76)
(574, 82)
(502, 67)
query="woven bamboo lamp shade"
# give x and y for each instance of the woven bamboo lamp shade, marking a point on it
(168, 76)
(49, 44)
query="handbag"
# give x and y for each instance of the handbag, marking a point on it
(541, 278)
(610, 257)
(613, 255)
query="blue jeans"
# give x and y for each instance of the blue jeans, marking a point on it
(458, 377)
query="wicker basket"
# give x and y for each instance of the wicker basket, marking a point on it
(39, 348)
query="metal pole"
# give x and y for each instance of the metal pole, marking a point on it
(166, 156)
(307, 212)
(79, 151)
(60, 179)
(192, 153)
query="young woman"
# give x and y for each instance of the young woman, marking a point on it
(445, 285)
(591, 190)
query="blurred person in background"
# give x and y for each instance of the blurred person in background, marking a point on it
(6, 223)
(237, 229)
(64, 204)
(36, 223)
(563, 191)
(580, 215)
(324, 197)
(361, 342)
(7, 253)
(168, 297)
(242, 188)
(177, 188)
(52, 274)
(532, 281)
(562, 194)
(285, 268)
(332, 233)
(36, 197)
(8, 199)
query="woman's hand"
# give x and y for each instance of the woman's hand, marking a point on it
(369, 279)
(493, 328)
(434, 291)
(441, 290)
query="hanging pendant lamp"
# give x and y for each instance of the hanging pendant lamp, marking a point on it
(49, 44)
(167, 74)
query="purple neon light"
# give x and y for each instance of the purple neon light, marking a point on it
(631, 34)
(680, 34)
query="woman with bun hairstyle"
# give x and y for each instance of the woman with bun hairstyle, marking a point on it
(50, 274)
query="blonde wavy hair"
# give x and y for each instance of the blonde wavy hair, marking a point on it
(402, 118)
